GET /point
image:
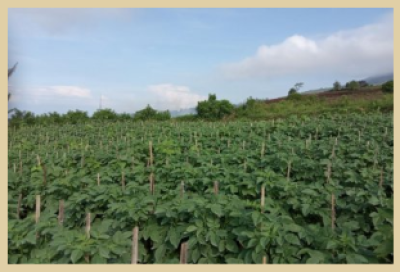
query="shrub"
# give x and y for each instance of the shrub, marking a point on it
(337, 86)
(352, 85)
(295, 97)
(388, 87)
(213, 108)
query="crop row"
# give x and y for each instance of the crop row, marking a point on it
(303, 190)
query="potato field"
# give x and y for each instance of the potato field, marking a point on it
(294, 191)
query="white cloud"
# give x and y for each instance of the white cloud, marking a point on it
(66, 91)
(358, 52)
(48, 93)
(173, 97)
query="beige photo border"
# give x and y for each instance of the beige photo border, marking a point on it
(169, 4)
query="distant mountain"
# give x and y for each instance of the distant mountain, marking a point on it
(377, 80)
(176, 113)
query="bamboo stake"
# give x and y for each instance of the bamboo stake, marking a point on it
(288, 170)
(87, 228)
(216, 189)
(37, 215)
(151, 181)
(262, 149)
(151, 152)
(38, 160)
(135, 248)
(328, 172)
(333, 152)
(183, 256)
(61, 212)
(123, 180)
(265, 260)
(262, 198)
(182, 188)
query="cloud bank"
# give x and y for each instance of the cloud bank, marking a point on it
(173, 97)
(362, 51)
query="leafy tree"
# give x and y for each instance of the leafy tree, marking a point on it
(295, 89)
(105, 114)
(250, 103)
(298, 86)
(352, 85)
(295, 96)
(77, 116)
(388, 87)
(124, 116)
(337, 86)
(363, 83)
(20, 118)
(214, 109)
(147, 113)
(162, 116)
(292, 91)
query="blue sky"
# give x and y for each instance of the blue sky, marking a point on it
(173, 58)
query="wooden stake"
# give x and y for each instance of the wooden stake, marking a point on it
(262, 198)
(61, 212)
(19, 206)
(288, 170)
(216, 189)
(151, 153)
(262, 149)
(328, 172)
(38, 160)
(265, 260)
(151, 181)
(182, 188)
(135, 248)
(333, 152)
(184, 250)
(37, 215)
(123, 180)
(87, 228)
(98, 179)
